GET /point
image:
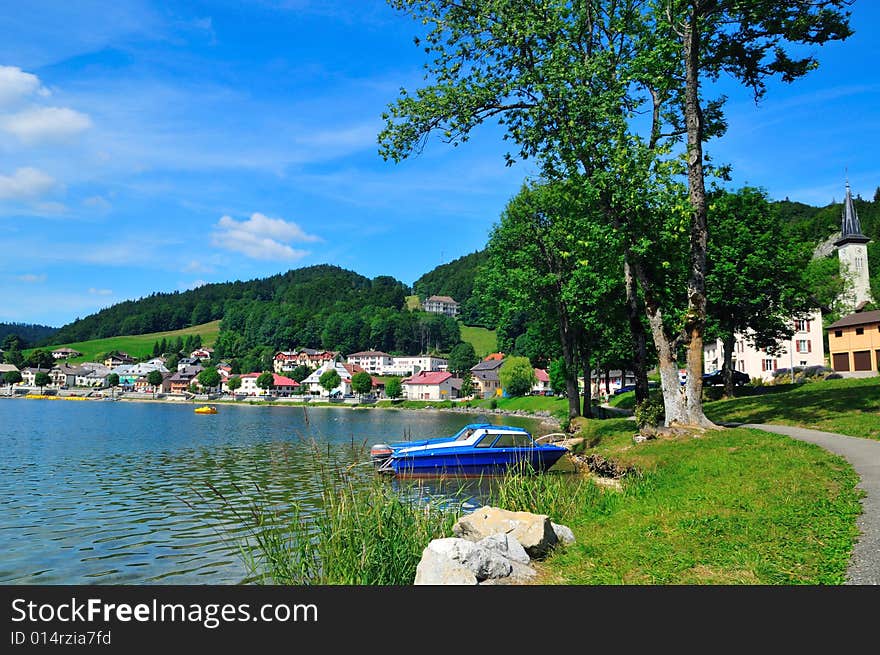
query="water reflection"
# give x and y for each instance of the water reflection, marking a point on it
(140, 493)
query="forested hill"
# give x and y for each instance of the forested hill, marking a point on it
(306, 290)
(28, 333)
(455, 279)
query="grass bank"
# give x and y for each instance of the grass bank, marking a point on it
(483, 340)
(846, 406)
(733, 506)
(138, 345)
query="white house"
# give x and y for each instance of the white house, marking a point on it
(441, 305)
(65, 353)
(374, 362)
(431, 385)
(417, 364)
(345, 371)
(281, 386)
(805, 348)
(543, 382)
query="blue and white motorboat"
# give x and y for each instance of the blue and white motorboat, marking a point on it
(475, 450)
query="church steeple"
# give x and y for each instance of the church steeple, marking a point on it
(850, 228)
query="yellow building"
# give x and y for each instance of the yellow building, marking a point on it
(854, 342)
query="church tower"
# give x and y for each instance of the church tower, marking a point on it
(852, 249)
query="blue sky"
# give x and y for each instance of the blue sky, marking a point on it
(156, 146)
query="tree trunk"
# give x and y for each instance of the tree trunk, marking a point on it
(568, 356)
(588, 395)
(695, 319)
(637, 333)
(673, 400)
(728, 342)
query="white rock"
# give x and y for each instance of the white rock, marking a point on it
(563, 533)
(482, 562)
(507, 546)
(436, 569)
(533, 531)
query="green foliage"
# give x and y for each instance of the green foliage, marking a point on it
(649, 413)
(234, 383)
(209, 378)
(329, 380)
(39, 358)
(300, 373)
(517, 376)
(42, 379)
(18, 336)
(556, 373)
(113, 380)
(14, 357)
(393, 388)
(11, 377)
(265, 381)
(467, 385)
(154, 378)
(361, 382)
(462, 358)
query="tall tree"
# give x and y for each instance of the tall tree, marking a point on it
(265, 381)
(234, 384)
(329, 380)
(361, 383)
(565, 81)
(754, 276)
(462, 358)
(393, 388)
(42, 379)
(209, 378)
(517, 376)
(154, 379)
(10, 378)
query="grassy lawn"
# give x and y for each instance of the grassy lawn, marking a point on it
(139, 345)
(733, 506)
(484, 341)
(558, 407)
(847, 406)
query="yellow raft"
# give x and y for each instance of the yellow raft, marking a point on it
(207, 409)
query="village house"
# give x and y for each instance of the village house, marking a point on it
(485, 378)
(6, 368)
(372, 361)
(416, 364)
(179, 382)
(281, 386)
(441, 305)
(345, 371)
(118, 359)
(92, 374)
(65, 353)
(185, 362)
(29, 374)
(805, 348)
(287, 360)
(542, 386)
(854, 344)
(431, 385)
(202, 354)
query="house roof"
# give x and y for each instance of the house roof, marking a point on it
(370, 353)
(858, 318)
(493, 357)
(428, 377)
(66, 350)
(5, 368)
(541, 374)
(441, 299)
(488, 365)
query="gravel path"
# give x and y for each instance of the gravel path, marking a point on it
(864, 455)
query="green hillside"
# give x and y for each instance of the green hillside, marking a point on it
(139, 345)
(484, 341)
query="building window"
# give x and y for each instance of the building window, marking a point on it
(802, 325)
(768, 364)
(804, 346)
(860, 330)
(838, 333)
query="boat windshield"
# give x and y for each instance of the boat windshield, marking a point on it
(464, 436)
(514, 440)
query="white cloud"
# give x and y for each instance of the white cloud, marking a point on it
(98, 203)
(31, 278)
(196, 266)
(16, 85)
(100, 292)
(25, 182)
(261, 237)
(45, 124)
(195, 284)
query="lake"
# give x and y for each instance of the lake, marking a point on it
(121, 492)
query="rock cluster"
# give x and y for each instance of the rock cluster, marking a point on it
(490, 546)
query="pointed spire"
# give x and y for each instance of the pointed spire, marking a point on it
(850, 227)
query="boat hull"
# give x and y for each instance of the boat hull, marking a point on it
(473, 464)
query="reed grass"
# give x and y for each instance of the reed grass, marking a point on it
(363, 532)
